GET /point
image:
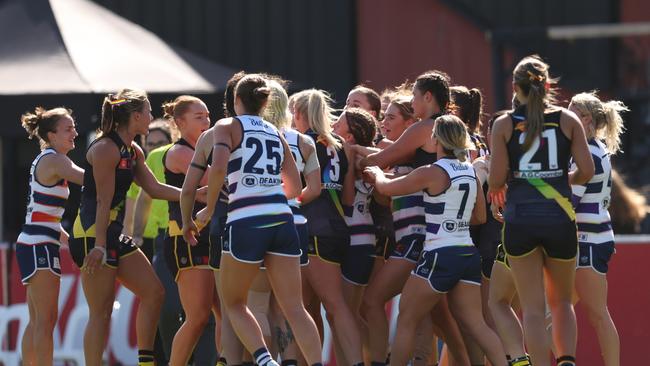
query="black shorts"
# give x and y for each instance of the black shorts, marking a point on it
(250, 244)
(147, 247)
(596, 256)
(117, 245)
(32, 258)
(385, 244)
(303, 237)
(328, 248)
(180, 255)
(502, 257)
(558, 241)
(357, 264)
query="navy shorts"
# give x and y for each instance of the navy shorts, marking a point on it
(445, 267)
(32, 258)
(559, 241)
(595, 256)
(357, 264)
(180, 255)
(217, 230)
(250, 244)
(117, 246)
(329, 248)
(409, 247)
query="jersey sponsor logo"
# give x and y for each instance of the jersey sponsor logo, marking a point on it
(253, 181)
(582, 237)
(249, 181)
(458, 167)
(538, 174)
(270, 181)
(451, 226)
(336, 186)
(125, 163)
(605, 203)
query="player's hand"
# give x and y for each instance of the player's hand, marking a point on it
(202, 194)
(137, 240)
(371, 173)
(190, 232)
(94, 259)
(496, 212)
(497, 200)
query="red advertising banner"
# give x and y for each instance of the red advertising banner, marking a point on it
(629, 299)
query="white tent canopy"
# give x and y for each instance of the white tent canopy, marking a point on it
(77, 46)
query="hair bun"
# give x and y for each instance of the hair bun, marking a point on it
(262, 91)
(168, 110)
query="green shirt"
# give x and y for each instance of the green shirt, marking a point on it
(159, 214)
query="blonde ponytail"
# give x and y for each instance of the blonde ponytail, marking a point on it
(615, 127)
(315, 105)
(606, 121)
(451, 132)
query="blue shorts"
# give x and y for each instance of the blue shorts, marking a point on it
(217, 226)
(32, 258)
(357, 263)
(409, 247)
(595, 256)
(445, 267)
(250, 244)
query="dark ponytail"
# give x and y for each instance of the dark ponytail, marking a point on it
(253, 93)
(532, 77)
(117, 109)
(469, 106)
(436, 83)
(361, 125)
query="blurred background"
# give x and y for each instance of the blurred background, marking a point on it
(73, 52)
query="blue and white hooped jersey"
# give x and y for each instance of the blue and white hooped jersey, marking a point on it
(359, 220)
(591, 200)
(254, 180)
(408, 210)
(293, 137)
(448, 214)
(45, 208)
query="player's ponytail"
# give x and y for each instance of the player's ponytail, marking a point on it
(452, 134)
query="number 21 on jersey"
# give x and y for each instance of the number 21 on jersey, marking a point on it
(526, 163)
